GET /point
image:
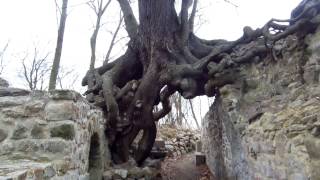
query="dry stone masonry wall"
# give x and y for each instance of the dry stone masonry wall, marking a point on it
(266, 125)
(49, 135)
(178, 141)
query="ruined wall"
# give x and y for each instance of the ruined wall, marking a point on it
(54, 135)
(266, 125)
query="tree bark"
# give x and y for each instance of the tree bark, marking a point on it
(164, 57)
(57, 54)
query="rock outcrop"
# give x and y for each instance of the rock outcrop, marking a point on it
(266, 125)
(50, 135)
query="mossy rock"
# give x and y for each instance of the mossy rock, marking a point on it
(37, 132)
(65, 131)
(3, 135)
(20, 133)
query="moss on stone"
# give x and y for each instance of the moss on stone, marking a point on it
(65, 131)
(37, 132)
(19, 133)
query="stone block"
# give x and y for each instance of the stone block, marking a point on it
(60, 110)
(38, 132)
(17, 112)
(34, 108)
(107, 175)
(65, 131)
(200, 159)
(199, 146)
(135, 173)
(9, 101)
(123, 173)
(63, 95)
(49, 172)
(20, 132)
(13, 92)
(3, 135)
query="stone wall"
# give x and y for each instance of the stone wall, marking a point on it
(266, 125)
(49, 135)
(178, 141)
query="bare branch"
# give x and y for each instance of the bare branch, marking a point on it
(99, 10)
(2, 63)
(113, 41)
(35, 71)
(66, 74)
(233, 4)
(193, 114)
(166, 107)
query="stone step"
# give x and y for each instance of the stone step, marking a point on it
(25, 169)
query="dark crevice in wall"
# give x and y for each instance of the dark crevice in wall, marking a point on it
(95, 158)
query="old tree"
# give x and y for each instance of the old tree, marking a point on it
(165, 56)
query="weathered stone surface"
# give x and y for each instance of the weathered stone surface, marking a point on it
(38, 140)
(20, 132)
(198, 146)
(60, 110)
(123, 173)
(9, 101)
(64, 95)
(65, 131)
(132, 173)
(38, 132)
(177, 141)
(13, 92)
(3, 83)
(3, 135)
(268, 127)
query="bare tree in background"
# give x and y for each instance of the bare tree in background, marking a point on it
(57, 55)
(182, 112)
(68, 75)
(99, 9)
(34, 71)
(114, 40)
(2, 63)
(193, 113)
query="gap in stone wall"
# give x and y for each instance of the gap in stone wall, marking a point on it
(95, 158)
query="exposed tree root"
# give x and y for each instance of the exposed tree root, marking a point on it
(165, 56)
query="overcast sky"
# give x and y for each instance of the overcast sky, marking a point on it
(29, 23)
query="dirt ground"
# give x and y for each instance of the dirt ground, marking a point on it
(184, 168)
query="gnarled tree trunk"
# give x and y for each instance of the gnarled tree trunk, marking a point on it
(164, 56)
